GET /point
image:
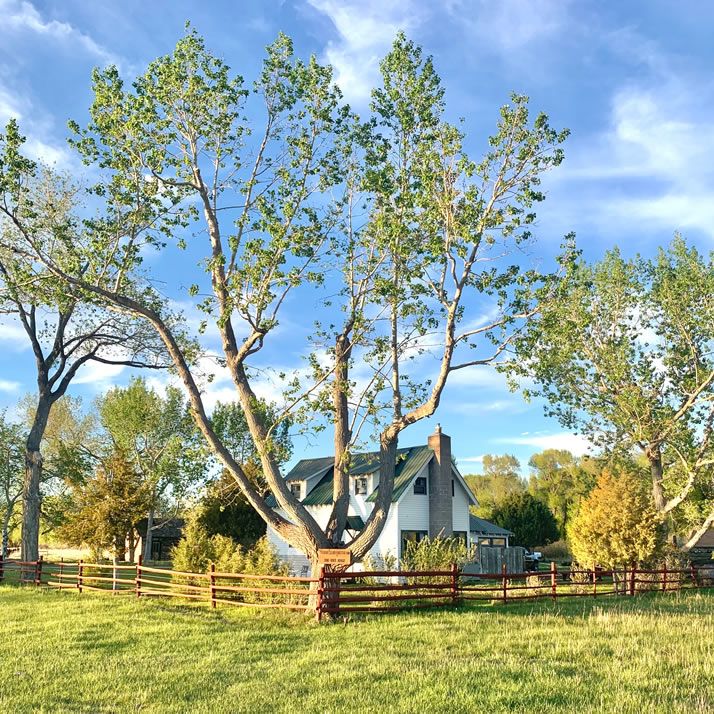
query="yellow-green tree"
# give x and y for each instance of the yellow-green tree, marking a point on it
(616, 525)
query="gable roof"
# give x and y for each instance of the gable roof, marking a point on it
(410, 461)
(479, 525)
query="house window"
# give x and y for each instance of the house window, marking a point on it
(296, 489)
(453, 488)
(420, 486)
(412, 537)
(360, 486)
(501, 542)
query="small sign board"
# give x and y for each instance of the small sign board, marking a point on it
(334, 556)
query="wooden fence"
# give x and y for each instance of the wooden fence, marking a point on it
(334, 593)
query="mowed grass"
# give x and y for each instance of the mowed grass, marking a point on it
(60, 652)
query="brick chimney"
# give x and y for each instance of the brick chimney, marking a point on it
(440, 503)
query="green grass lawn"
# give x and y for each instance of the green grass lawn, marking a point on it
(60, 652)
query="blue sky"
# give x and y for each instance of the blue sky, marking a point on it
(633, 82)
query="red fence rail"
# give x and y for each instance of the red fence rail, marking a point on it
(335, 593)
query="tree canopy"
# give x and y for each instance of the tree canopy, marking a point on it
(384, 224)
(626, 357)
(500, 478)
(530, 520)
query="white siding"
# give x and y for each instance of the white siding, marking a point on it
(460, 508)
(412, 511)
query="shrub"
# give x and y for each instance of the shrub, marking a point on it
(196, 549)
(558, 551)
(616, 525)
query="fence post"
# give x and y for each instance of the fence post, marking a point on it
(320, 593)
(61, 572)
(594, 581)
(633, 571)
(664, 579)
(38, 571)
(553, 579)
(454, 584)
(80, 567)
(504, 572)
(137, 577)
(212, 584)
(114, 576)
(2, 567)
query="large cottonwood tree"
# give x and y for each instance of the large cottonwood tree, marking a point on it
(627, 358)
(395, 238)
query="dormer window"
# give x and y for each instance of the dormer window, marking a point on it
(296, 489)
(361, 486)
(420, 486)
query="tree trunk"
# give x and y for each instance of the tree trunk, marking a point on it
(657, 472)
(341, 478)
(132, 545)
(33, 478)
(148, 541)
(119, 548)
(4, 549)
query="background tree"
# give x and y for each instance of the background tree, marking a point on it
(437, 231)
(64, 332)
(12, 462)
(224, 508)
(561, 481)
(501, 478)
(157, 435)
(626, 358)
(530, 520)
(107, 507)
(616, 525)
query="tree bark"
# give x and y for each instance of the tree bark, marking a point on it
(6, 532)
(131, 537)
(148, 541)
(342, 437)
(654, 456)
(33, 477)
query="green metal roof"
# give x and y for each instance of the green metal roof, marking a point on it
(407, 468)
(410, 460)
(479, 525)
(308, 468)
(355, 523)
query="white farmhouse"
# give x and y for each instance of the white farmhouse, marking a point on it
(430, 498)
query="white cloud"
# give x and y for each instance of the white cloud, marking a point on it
(497, 405)
(576, 444)
(470, 459)
(366, 29)
(509, 25)
(101, 376)
(23, 15)
(12, 335)
(7, 385)
(657, 146)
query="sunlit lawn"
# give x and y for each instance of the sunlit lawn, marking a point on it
(92, 653)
